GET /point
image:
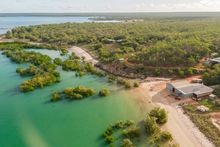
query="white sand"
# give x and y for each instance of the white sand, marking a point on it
(82, 53)
(184, 132)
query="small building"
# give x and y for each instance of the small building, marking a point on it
(212, 97)
(184, 89)
(214, 61)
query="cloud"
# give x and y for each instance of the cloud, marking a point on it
(20, 1)
(108, 6)
(202, 5)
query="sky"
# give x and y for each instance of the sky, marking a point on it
(65, 6)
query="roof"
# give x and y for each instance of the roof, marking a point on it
(189, 88)
(215, 60)
(179, 84)
(196, 89)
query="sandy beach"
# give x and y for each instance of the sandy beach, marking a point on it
(184, 132)
(82, 53)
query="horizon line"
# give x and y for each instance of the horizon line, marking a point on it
(110, 12)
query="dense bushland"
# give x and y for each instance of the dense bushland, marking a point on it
(164, 45)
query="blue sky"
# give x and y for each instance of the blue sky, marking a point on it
(108, 6)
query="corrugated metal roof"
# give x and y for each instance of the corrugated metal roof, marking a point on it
(189, 88)
(179, 84)
(215, 60)
(196, 89)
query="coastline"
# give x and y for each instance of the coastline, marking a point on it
(83, 54)
(184, 132)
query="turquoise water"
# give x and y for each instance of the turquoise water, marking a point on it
(7, 23)
(30, 120)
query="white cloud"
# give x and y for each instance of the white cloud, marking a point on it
(202, 5)
(108, 6)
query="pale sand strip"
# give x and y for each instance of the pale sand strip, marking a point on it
(82, 53)
(185, 133)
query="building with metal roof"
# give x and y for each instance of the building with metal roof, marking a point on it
(215, 60)
(184, 89)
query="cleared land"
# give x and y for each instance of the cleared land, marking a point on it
(83, 54)
(185, 133)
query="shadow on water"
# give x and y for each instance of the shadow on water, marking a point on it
(140, 141)
(12, 92)
(48, 102)
(101, 141)
(64, 101)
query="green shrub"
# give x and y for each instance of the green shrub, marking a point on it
(111, 78)
(205, 125)
(56, 97)
(151, 126)
(104, 92)
(39, 81)
(159, 114)
(165, 137)
(109, 139)
(124, 82)
(136, 84)
(79, 74)
(78, 93)
(108, 132)
(127, 143)
(63, 52)
(217, 91)
(160, 138)
(58, 61)
(132, 132)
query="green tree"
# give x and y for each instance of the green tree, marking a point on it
(159, 114)
(151, 126)
(56, 97)
(127, 143)
(104, 92)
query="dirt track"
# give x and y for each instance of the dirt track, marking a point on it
(82, 53)
(184, 132)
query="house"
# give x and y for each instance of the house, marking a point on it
(184, 89)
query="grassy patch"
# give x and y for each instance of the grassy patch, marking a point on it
(212, 105)
(190, 108)
(203, 122)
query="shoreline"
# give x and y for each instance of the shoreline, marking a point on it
(184, 131)
(152, 91)
(83, 54)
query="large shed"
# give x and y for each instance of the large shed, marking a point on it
(185, 89)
